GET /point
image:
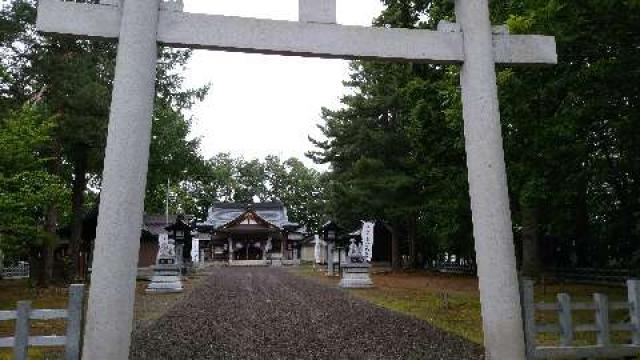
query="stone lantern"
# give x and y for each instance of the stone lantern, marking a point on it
(330, 235)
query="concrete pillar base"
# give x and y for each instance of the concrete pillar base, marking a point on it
(355, 276)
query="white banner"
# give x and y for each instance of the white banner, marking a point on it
(318, 250)
(195, 251)
(367, 240)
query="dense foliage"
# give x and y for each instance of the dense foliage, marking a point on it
(55, 91)
(395, 147)
(227, 179)
(571, 132)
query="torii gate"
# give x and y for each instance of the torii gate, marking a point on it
(140, 25)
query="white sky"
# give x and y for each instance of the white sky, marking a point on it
(265, 104)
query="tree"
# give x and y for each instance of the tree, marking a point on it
(571, 151)
(73, 79)
(27, 189)
(227, 179)
(581, 160)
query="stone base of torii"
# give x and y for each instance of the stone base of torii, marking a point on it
(139, 25)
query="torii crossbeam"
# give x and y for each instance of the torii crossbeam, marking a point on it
(139, 25)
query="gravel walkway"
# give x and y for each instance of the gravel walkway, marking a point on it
(266, 313)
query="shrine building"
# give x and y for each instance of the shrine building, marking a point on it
(250, 234)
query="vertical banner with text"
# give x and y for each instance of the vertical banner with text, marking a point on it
(367, 240)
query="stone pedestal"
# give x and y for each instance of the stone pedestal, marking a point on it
(355, 275)
(166, 279)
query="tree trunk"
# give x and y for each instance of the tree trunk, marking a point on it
(413, 244)
(51, 220)
(36, 265)
(49, 247)
(530, 244)
(580, 257)
(395, 249)
(77, 206)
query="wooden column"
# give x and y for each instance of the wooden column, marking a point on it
(565, 320)
(529, 309)
(633, 287)
(602, 319)
(74, 322)
(21, 337)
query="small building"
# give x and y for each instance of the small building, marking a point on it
(250, 233)
(308, 249)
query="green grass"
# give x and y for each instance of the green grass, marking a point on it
(457, 314)
(421, 295)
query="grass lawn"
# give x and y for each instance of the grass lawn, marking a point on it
(452, 302)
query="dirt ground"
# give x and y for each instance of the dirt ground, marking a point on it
(268, 313)
(150, 307)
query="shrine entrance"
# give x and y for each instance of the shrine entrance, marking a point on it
(250, 251)
(140, 25)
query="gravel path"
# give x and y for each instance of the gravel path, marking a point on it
(266, 313)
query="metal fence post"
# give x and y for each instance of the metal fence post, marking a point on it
(633, 287)
(21, 339)
(528, 308)
(602, 319)
(74, 322)
(564, 317)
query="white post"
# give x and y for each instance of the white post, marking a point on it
(230, 245)
(499, 293)
(111, 297)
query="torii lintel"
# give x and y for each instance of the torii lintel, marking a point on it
(291, 38)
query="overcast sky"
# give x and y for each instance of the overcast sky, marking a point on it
(258, 104)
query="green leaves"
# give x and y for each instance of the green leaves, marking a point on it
(27, 189)
(397, 148)
(227, 179)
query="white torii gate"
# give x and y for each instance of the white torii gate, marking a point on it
(139, 25)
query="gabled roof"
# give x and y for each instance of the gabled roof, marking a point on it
(273, 213)
(249, 217)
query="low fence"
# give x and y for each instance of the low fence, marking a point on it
(273, 262)
(589, 275)
(454, 268)
(565, 327)
(18, 271)
(24, 313)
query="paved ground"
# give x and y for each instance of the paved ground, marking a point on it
(265, 313)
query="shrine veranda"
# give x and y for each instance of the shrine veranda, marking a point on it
(140, 25)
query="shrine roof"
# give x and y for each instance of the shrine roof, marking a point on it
(155, 224)
(273, 212)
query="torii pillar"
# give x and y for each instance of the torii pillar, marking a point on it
(491, 215)
(140, 24)
(113, 279)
